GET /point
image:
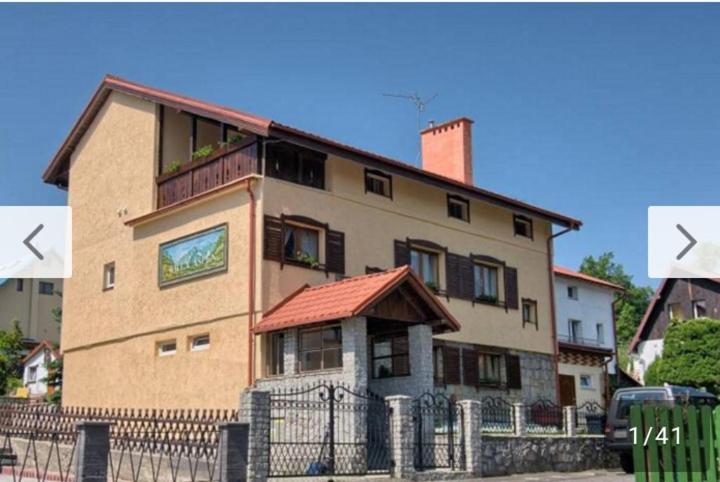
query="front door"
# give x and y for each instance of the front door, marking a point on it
(567, 390)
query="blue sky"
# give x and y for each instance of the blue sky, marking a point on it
(596, 111)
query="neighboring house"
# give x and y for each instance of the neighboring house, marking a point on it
(675, 298)
(35, 368)
(586, 336)
(183, 258)
(31, 302)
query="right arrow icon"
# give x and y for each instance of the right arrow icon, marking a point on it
(690, 245)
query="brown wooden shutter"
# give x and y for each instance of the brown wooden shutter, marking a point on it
(471, 374)
(335, 251)
(511, 288)
(512, 370)
(272, 239)
(452, 365)
(467, 278)
(402, 253)
(452, 275)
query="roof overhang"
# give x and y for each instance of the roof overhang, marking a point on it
(595, 350)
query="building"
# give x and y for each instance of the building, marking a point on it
(674, 299)
(31, 302)
(193, 221)
(36, 369)
(586, 336)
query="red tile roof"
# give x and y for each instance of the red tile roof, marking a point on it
(559, 270)
(56, 171)
(344, 299)
(45, 344)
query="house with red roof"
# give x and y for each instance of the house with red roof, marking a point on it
(216, 250)
(585, 316)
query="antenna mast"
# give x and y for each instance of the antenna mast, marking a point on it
(420, 105)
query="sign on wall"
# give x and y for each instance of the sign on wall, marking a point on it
(198, 254)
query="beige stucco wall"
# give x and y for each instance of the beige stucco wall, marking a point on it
(372, 222)
(110, 337)
(583, 395)
(31, 309)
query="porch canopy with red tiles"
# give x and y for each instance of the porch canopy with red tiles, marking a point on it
(397, 295)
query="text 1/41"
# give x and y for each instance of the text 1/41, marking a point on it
(661, 436)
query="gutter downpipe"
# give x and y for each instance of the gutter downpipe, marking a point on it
(251, 286)
(553, 317)
(615, 350)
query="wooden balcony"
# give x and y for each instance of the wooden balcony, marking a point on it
(201, 175)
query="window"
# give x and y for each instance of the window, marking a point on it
(438, 366)
(302, 244)
(585, 381)
(390, 355)
(320, 349)
(167, 348)
(425, 265)
(600, 333)
(529, 311)
(277, 354)
(489, 368)
(523, 226)
(575, 331)
(109, 276)
(572, 292)
(675, 311)
(19, 284)
(699, 309)
(486, 282)
(458, 208)
(46, 288)
(378, 183)
(32, 374)
(296, 165)
(200, 343)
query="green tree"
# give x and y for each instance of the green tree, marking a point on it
(11, 353)
(691, 355)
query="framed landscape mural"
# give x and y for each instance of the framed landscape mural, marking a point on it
(198, 254)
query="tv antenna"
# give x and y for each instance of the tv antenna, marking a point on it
(420, 104)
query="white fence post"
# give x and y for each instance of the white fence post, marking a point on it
(520, 422)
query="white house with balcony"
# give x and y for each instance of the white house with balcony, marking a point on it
(584, 314)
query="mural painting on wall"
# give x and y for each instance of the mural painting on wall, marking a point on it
(198, 254)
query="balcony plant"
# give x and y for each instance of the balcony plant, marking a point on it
(172, 167)
(487, 299)
(203, 152)
(432, 286)
(306, 258)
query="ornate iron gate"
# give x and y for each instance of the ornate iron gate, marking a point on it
(327, 429)
(438, 433)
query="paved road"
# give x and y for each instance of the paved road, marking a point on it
(591, 476)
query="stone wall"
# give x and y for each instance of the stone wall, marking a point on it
(520, 455)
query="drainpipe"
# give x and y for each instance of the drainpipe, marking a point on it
(615, 350)
(251, 286)
(551, 277)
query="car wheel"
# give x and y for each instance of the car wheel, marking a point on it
(626, 463)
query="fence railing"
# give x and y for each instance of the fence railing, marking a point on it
(498, 415)
(543, 416)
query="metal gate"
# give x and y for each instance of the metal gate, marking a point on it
(438, 433)
(327, 429)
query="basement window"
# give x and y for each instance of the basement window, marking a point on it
(167, 348)
(378, 182)
(458, 208)
(200, 343)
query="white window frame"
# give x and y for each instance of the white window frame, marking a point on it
(32, 374)
(600, 333)
(161, 348)
(572, 292)
(108, 283)
(575, 337)
(695, 305)
(194, 346)
(590, 384)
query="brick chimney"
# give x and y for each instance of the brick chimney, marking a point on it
(447, 149)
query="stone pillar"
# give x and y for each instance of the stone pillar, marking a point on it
(519, 414)
(402, 434)
(290, 350)
(233, 451)
(255, 411)
(569, 413)
(355, 352)
(472, 435)
(421, 359)
(93, 449)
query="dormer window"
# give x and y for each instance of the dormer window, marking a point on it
(523, 226)
(378, 182)
(458, 208)
(297, 165)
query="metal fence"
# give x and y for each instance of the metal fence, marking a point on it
(590, 418)
(438, 433)
(543, 416)
(498, 415)
(328, 429)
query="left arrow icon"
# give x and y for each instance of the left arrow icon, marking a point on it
(29, 246)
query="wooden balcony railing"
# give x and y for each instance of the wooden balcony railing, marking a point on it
(196, 177)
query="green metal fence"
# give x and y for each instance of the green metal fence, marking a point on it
(678, 444)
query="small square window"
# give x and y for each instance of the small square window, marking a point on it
(458, 208)
(699, 309)
(572, 292)
(675, 311)
(523, 226)
(585, 381)
(46, 288)
(19, 284)
(529, 311)
(109, 276)
(167, 348)
(200, 343)
(378, 182)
